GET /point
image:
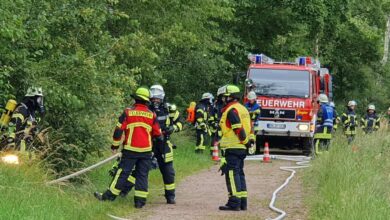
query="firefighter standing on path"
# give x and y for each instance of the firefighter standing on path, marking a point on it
(324, 125)
(201, 119)
(235, 125)
(140, 126)
(254, 112)
(349, 120)
(22, 127)
(164, 154)
(370, 122)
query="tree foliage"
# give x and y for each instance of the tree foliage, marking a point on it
(90, 55)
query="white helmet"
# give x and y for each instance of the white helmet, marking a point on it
(352, 103)
(34, 91)
(332, 104)
(322, 98)
(252, 95)
(207, 95)
(221, 90)
(157, 92)
(371, 107)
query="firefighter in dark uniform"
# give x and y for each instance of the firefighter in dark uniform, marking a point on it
(140, 126)
(235, 125)
(350, 122)
(324, 125)
(164, 154)
(370, 122)
(175, 121)
(23, 125)
(201, 122)
(254, 112)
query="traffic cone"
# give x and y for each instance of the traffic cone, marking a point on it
(215, 156)
(266, 157)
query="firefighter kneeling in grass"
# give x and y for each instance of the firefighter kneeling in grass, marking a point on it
(140, 126)
(235, 125)
(324, 125)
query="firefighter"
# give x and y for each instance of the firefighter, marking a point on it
(140, 126)
(324, 125)
(201, 119)
(254, 112)
(212, 123)
(371, 121)
(349, 120)
(164, 154)
(252, 106)
(175, 121)
(23, 125)
(336, 119)
(235, 125)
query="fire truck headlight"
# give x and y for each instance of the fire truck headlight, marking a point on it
(303, 127)
(10, 159)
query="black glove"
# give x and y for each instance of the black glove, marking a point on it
(169, 130)
(250, 143)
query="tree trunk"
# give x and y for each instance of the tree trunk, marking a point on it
(386, 44)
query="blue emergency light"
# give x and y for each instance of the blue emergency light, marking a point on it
(308, 61)
(260, 59)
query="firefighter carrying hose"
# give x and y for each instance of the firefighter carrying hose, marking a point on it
(349, 120)
(23, 125)
(324, 125)
(235, 125)
(140, 126)
(371, 121)
(201, 119)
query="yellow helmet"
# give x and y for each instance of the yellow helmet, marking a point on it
(230, 90)
(143, 94)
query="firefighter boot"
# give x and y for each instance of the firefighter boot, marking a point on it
(244, 204)
(229, 208)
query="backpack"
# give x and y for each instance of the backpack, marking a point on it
(191, 113)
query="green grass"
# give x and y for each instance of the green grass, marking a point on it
(24, 196)
(351, 181)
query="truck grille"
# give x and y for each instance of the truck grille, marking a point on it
(278, 113)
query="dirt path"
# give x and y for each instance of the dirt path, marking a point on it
(199, 196)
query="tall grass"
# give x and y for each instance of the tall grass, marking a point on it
(351, 181)
(24, 196)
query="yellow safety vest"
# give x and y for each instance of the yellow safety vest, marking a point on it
(229, 139)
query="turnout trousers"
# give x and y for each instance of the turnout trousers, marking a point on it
(235, 178)
(123, 181)
(165, 164)
(201, 136)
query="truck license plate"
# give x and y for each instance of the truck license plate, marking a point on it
(276, 126)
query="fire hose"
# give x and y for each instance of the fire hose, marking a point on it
(301, 161)
(78, 173)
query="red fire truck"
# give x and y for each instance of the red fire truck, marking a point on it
(287, 93)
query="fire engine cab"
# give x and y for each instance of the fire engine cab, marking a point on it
(287, 93)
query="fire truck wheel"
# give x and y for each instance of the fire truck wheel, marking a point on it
(308, 147)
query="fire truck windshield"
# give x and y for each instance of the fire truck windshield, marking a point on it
(279, 82)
